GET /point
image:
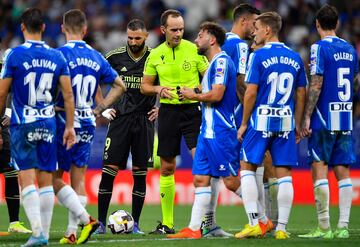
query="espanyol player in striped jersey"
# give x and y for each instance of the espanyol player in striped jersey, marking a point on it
(215, 155)
(35, 71)
(275, 76)
(236, 47)
(87, 68)
(328, 120)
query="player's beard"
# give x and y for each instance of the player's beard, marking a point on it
(136, 48)
(202, 50)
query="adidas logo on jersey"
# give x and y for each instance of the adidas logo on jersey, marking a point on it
(123, 69)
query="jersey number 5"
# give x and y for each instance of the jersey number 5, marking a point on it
(344, 82)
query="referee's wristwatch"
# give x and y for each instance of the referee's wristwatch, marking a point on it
(197, 90)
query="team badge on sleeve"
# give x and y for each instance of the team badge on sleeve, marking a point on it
(313, 59)
(220, 70)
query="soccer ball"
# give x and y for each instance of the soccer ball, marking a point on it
(121, 221)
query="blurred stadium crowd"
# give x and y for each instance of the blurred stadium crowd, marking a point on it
(108, 19)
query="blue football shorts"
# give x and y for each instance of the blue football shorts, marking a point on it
(33, 145)
(282, 147)
(332, 147)
(217, 157)
(79, 154)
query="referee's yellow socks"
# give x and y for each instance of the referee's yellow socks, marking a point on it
(167, 196)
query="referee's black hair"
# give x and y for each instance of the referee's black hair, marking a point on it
(244, 8)
(33, 20)
(136, 24)
(327, 17)
(170, 12)
(216, 30)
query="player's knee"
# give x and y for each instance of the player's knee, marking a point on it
(168, 165)
(58, 183)
(201, 181)
(232, 183)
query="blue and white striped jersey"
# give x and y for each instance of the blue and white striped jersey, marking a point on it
(278, 71)
(238, 50)
(218, 117)
(336, 60)
(87, 68)
(35, 69)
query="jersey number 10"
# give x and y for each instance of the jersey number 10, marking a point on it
(85, 88)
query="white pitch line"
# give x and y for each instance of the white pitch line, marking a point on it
(296, 230)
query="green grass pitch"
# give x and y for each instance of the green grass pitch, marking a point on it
(231, 218)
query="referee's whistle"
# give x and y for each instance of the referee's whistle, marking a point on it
(179, 93)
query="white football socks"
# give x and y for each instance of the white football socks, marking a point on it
(345, 199)
(200, 206)
(321, 191)
(285, 198)
(259, 175)
(250, 195)
(47, 200)
(273, 192)
(210, 215)
(73, 219)
(70, 200)
(31, 203)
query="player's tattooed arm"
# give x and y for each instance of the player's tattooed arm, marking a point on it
(240, 87)
(313, 93)
(118, 89)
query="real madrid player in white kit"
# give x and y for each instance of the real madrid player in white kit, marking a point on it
(275, 76)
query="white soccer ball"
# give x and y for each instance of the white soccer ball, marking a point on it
(121, 221)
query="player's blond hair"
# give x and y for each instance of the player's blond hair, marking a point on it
(271, 19)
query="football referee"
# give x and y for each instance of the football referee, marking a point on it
(131, 127)
(177, 64)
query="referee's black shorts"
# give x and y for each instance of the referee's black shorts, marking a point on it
(175, 121)
(5, 151)
(130, 133)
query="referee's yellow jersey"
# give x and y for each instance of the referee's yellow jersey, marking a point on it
(178, 66)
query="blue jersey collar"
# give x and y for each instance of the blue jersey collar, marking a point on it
(77, 41)
(274, 43)
(35, 41)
